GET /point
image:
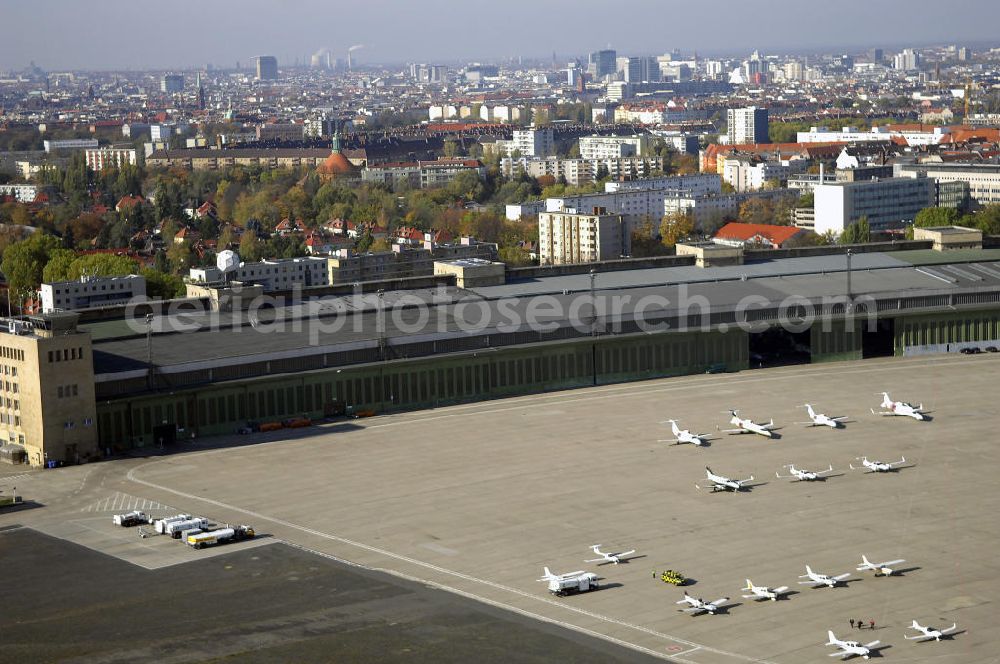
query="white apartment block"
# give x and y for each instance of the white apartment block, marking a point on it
(101, 158)
(745, 175)
(273, 275)
(747, 125)
(614, 147)
(930, 136)
(696, 184)
(89, 292)
(565, 237)
(580, 171)
(983, 179)
(534, 142)
(24, 193)
(712, 208)
(887, 203)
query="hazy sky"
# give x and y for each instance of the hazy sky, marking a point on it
(119, 34)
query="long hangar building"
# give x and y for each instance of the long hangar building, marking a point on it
(88, 387)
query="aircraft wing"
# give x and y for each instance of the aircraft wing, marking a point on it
(890, 562)
(828, 470)
(838, 419)
(918, 637)
(675, 441)
(596, 560)
(629, 553)
(872, 644)
(840, 577)
(951, 629)
(842, 653)
(732, 430)
(719, 602)
(779, 590)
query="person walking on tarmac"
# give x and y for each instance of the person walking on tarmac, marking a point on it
(852, 623)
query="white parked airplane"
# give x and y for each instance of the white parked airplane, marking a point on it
(821, 420)
(803, 475)
(850, 648)
(722, 483)
(763, 592)
(817, 579)
(900, 408)
(746, 425)
(549, 576)
(698, 605)
(929, 632)
(609, 557)
(878, 568)
(879, 466)
(684, 436)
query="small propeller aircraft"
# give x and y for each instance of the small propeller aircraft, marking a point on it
(850, 648)
(821, 420)
(801, 475)
(882, 569)
(684, 436)
(609, 557)
(902, 408)
(763, 592)
(698, 605)
(720, 483)
(929, 632)
(816, 579)
(746, 425)
(879, 466)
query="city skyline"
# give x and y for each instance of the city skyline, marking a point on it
(385, 28)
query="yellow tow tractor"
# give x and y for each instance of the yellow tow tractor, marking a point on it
(673, 577)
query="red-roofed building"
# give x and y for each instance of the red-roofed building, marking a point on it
(736, 234)
(128, 202)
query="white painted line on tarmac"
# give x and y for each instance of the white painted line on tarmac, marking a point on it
(419, 563)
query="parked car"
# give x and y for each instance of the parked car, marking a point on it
(972, 350)
(992, 349)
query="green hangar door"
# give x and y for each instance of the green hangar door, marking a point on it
(778, 346)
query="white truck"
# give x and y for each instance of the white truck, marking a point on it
(129, 519)
(175, 528)
(220, 536)
(571, 582)
(160, 524)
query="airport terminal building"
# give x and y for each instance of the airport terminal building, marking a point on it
(188, 371)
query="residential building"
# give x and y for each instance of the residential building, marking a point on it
(517, 211)
(887, 203)
(581, 171)
(280, 132)
(172, 83)
(713, 208)
(101, 158)
(198, 160)
(22, 193)
(681, 141)
(47, 404)
(568, 237)
(90, 292)
(614, 147)
(422, 174)
(908, 60)
(636, 200)
(534, 142)
(618, 91)
(750, 173)
(747, 125)
(267, 67)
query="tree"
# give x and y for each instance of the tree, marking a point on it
(180, 256)
(249, 247)
(988, 219)
(675, 227)
(58, 266)
(602, 172)
(857, 233)
(757, 211)
(450, 148)
(24, 262)
(936, 216)
(163, 286)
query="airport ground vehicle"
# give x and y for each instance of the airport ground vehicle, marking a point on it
(159, 525)
(175, 528)
(220, 536)
(673, 577)
(129, 519)
(570, 583)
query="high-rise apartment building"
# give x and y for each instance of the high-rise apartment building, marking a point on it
(747, 125)
(567, 237)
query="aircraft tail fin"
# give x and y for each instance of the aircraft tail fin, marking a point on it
(915, 625)
(865, 560)
(808, 570)
(548, 574)
(833, 639)
(749, 585)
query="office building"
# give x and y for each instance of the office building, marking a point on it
(346, 267)
(983, 180)
(70, 144)
(747, 125)
(90, 292)
(267, 68)
(172, 83)
(274, 275)
(602, 63)
(47, 404)
(644, 69)
(888, 203)
(568, 237)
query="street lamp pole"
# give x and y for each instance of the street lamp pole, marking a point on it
(850, 296)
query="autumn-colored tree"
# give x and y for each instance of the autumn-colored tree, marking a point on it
(757, 211)
(675, 227)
